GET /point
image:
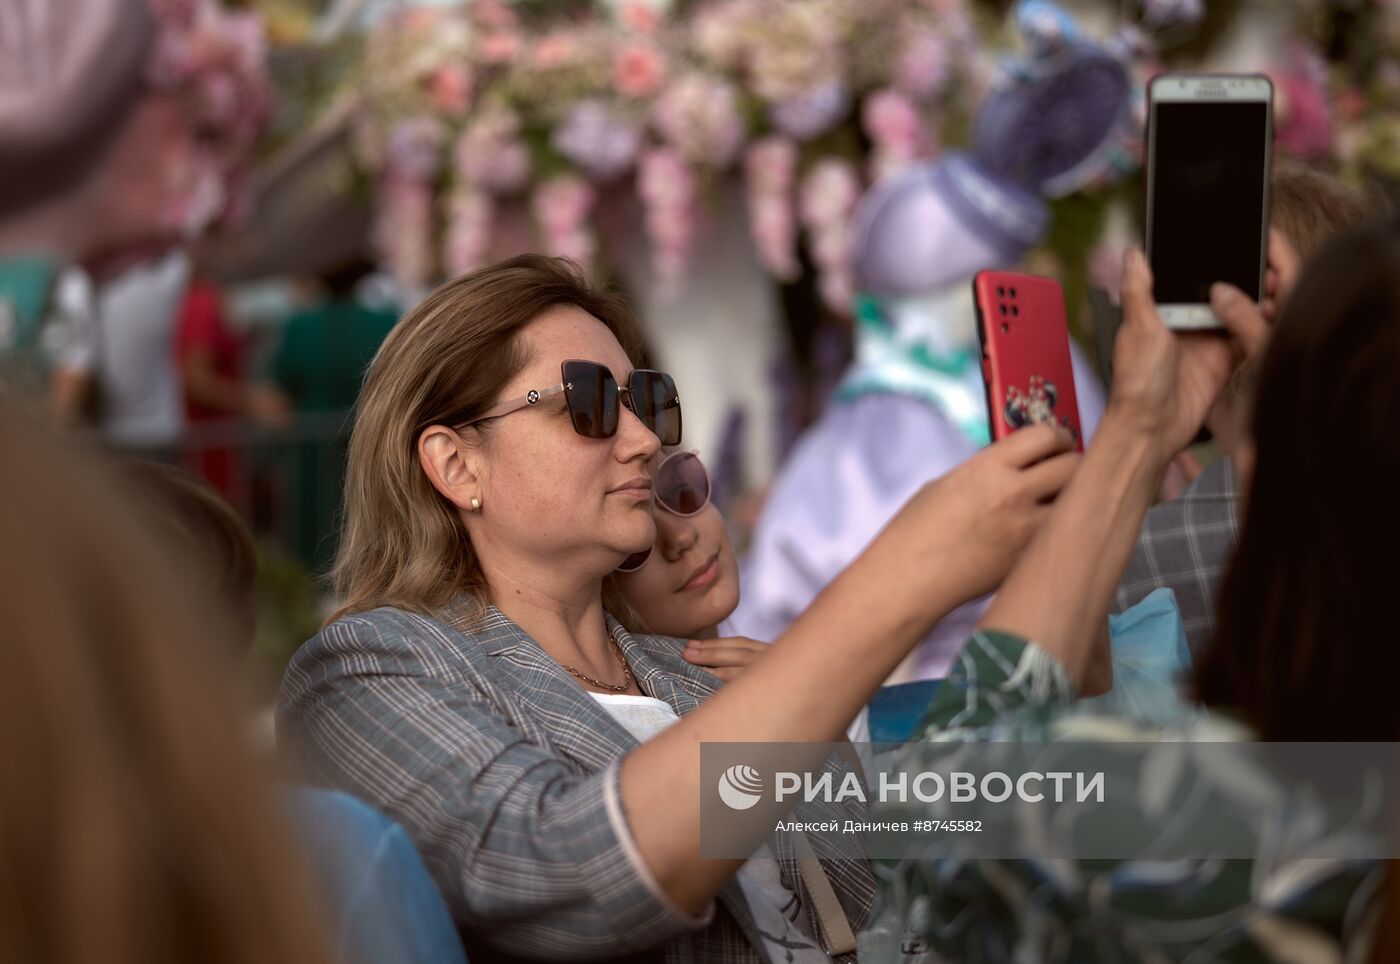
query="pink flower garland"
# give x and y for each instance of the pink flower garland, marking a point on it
(215, 61)
(561, 206)
(698, 115)
(490, 154)
(828, 199)
(404, 231)
(770, 170)
(470, 217)
(895, 128)
(668, 191)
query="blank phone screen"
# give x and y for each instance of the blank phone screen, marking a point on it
(1207, 197)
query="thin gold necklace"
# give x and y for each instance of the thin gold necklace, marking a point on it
(626, 670)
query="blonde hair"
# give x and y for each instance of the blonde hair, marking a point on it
(135, 823)
(402, 543)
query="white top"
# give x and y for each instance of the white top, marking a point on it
(136, 370)
(777, 911)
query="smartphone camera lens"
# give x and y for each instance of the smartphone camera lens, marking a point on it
(1001, 291)
(1002, 309)
(1011, 291)
(1015, 312)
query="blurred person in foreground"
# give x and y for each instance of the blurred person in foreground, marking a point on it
(1302, 651)
(135, 824)
(1185, 544)
(382, 904)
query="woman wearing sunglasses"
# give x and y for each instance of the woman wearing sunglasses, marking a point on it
(498, 471)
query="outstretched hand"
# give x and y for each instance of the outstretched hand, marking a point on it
(972, 523)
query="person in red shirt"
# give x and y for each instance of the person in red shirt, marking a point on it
(211, 358)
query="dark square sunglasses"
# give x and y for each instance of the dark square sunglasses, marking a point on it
(595, 399)
(681, 487)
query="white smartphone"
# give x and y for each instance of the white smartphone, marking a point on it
(1209, 154)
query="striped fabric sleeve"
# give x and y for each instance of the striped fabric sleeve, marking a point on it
(995, 675)
(530, 855)
(612, 783)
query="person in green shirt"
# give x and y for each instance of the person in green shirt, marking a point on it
(319, 364)
(1303, 651)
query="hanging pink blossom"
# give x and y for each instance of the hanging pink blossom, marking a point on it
(490, 155)
(493, 13)
(699, 116)
(561, 207)
(1304, 116)
(554, 49)
(792, 49)
(450, 90)
(922, 67)
(896, 130)
(597, 139)
(403, 232)
(414, 148)
(470, 215)
(770, 171)
(813, 111)
(639, 16)
(499, 48)
(668, 191)
(720, 31)
(214, 61)
(638, 70)
(828, 198)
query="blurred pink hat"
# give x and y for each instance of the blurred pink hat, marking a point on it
(70, 72)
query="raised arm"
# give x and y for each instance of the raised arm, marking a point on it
(953, 542)
(1059, 591)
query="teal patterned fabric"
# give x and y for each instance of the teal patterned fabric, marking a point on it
(941, 908)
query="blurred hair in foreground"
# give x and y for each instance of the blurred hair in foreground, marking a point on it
(135, 825)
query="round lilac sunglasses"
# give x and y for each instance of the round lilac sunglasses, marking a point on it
(681, 487)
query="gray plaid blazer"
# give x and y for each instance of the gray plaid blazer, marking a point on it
(1186, 545)
(505, 773)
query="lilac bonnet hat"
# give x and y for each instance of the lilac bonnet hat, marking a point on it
(70, 71)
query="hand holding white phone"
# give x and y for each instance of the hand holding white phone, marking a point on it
(1209, 152)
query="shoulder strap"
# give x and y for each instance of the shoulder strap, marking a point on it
(836, 929)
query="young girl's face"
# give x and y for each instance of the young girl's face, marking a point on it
(690, 583)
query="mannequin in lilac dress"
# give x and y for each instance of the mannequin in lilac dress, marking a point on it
(912, 405)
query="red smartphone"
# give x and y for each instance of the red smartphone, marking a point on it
(1025, 353)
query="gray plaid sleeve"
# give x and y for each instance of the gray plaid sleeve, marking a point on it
(529, 854)
(1186, 545)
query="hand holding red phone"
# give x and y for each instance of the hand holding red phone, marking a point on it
(983, 512)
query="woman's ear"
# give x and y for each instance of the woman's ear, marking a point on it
(451, 465)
